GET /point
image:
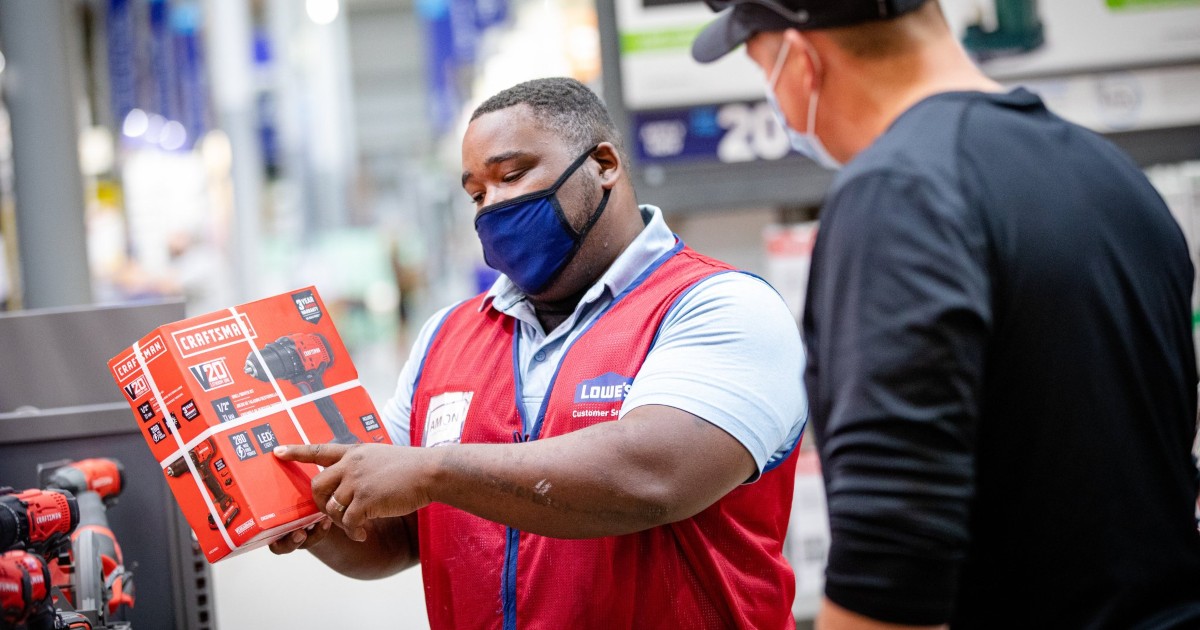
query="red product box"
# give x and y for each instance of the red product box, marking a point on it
(214, 394)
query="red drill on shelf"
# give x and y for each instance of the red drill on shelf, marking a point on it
(96, 484)
(25, 591)
(37, 520)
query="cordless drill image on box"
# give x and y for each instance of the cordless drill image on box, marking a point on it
(302, 359)
(101, 577)
(215, 475)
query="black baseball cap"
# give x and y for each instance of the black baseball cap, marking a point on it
(742, 19)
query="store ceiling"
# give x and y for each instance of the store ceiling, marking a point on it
(387, 60)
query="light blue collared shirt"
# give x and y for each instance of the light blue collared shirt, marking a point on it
(728, 351)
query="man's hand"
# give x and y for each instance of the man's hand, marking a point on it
(363, 482)
(302, 538)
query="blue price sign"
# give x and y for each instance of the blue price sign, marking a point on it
(733, 132)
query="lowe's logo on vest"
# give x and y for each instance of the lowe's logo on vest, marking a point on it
(610, 387)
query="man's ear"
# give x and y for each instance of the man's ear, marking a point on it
(801, 58)
(611, 166)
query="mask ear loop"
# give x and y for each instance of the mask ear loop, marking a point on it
(816, 92)
(562, 179)
(558, 211)
(780, 59)
(582, 233)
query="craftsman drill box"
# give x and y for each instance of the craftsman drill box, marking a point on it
(214, 394)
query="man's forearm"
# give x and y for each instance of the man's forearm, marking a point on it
(656, 465)
(609, 479)
(390, 547)
(527, 487)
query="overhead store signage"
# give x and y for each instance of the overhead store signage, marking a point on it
(1118, 65)
(1137, 4)
(453, 30)
(683, 111)
(657, 69)
(1088, 35)
(729, 133)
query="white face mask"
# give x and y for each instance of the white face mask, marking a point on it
(806, 143)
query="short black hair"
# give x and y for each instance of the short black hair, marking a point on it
(562, 105)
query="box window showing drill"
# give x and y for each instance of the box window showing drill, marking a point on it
(214, 394)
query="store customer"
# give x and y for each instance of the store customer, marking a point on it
(610, 424)
(1001, 369)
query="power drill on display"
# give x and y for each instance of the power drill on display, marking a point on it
(27, 600)
(25, 591)
(215, 475)
(96, 484)
(35, 527)
(302, 359)
(38, 521)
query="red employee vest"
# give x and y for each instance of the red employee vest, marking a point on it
(722, 568)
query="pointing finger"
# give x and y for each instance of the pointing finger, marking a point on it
(319, 454)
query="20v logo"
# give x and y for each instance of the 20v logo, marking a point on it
(137, 388)
(212, 374)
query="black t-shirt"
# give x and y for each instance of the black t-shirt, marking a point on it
(1002, 377)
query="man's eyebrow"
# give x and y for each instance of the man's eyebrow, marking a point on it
(504, 157)
(496, 159)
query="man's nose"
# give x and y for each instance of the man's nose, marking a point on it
(492, 196)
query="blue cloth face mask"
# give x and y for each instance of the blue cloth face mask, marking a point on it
(528, 238)
(807, 143)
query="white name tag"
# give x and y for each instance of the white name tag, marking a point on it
(447, 414)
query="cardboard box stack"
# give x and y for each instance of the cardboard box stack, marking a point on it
(214, 394)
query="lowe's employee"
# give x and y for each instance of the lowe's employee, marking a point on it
(1001, 368)
(606, 432)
